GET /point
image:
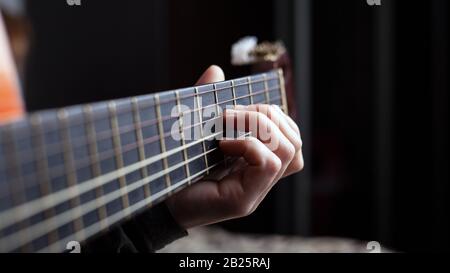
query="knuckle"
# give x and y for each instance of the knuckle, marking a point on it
(271, 112)
(273, 164)
(298, 164)
(273, 108)
(251, 140)
(288, 152)
(261, 117)
(262, 105)
(297, 143)
(264, 109)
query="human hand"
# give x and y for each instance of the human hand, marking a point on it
(273, 151)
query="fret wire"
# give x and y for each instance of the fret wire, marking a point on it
(69, 165)
(118, 153)
(162, 140)
(250, 90)
(140, 142)
(12, 156)
(128, 128)
(94, 158)
(283, 91)
(211, 91)
(60, 220)
(218, 89)
(108, 154)
(162, 102)
(94, 229)
(45, 186)
(216, 98)
(266, 88)
(233, 88)
(200, 116)
(15, 198)
(183, 142)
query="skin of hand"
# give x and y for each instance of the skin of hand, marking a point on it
(237, 191)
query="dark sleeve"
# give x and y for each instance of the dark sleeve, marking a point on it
(147, 232)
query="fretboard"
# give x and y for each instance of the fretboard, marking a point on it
(68, 174)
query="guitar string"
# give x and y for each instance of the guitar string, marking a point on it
(53, 223)
(99, 186)
(154, 121)
(104, 155)
(250, 95)
(97, 227)
(31, 208)
(161, 103)
(31, 233)
(80, 142)
(85, 162)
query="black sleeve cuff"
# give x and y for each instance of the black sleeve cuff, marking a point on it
(147, 232)
(153, 229)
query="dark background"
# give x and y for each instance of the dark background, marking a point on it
(371, 94)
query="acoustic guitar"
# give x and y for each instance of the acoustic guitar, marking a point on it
(69, 174)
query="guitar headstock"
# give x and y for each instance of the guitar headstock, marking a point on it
(268, 56)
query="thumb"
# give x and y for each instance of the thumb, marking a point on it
(211, 75)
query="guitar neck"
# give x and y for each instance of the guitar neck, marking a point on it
(68, 174)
